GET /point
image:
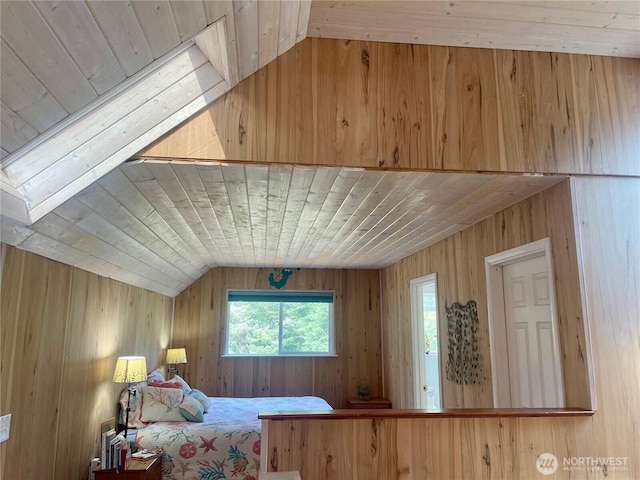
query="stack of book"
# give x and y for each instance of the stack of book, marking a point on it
(110, 454)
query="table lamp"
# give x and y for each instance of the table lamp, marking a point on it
(174, 357)
(130, 370)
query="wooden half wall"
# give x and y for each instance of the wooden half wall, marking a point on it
(398, 106)
(62, 331)
(606, 445)
(200, 326)
(459, 262)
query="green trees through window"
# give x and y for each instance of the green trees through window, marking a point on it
(430, 316)
(271, 326)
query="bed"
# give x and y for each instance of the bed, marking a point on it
(225, 445)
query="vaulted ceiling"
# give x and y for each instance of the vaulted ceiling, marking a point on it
(87, 84)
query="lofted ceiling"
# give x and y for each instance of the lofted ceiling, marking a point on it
(87, 84)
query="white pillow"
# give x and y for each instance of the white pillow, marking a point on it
(155, 376)
(181, 381)
(161, 404)
(200, 397)
(191, 409)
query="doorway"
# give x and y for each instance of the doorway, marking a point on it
(425, 325)
(525, 351)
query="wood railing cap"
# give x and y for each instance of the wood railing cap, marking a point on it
(412, 413)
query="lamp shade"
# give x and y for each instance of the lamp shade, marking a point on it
(130, 370)
(176, 355)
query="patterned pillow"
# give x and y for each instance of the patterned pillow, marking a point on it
(135, 406)
(191, 409)
(181, 381)
(161, 404)
(155, 376)
(200, 397)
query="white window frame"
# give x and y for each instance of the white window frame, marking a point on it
(281, 353)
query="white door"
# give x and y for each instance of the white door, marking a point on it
(533, 363)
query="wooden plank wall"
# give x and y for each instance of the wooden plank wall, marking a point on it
(383, 105)
(62, 331)
(199, 325)
(608, 215)
(458, 261)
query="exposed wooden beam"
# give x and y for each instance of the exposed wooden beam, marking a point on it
(102, 137)
(12, 202)
(14, 215)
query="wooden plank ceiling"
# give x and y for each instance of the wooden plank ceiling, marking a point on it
(58, 57)
(565, 26)
(86, 84)
(161, 226)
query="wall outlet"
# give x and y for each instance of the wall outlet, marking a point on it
(5, 426)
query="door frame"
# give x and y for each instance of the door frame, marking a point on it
(417, 340)
(497, 318)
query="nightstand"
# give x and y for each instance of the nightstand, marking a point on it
(149, 469)
(373, 403)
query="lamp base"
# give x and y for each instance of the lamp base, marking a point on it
(126, 418)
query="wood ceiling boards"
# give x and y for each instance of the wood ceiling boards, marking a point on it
(130, 70)
(596, 28)
(162, 226)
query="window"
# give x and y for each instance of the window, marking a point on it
(270, 323)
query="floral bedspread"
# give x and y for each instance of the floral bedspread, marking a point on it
(226, 445)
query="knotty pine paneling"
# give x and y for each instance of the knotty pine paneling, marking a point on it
(608, 220)
(384, 105)
(200, 322)
(62, 331)
(458, 261)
